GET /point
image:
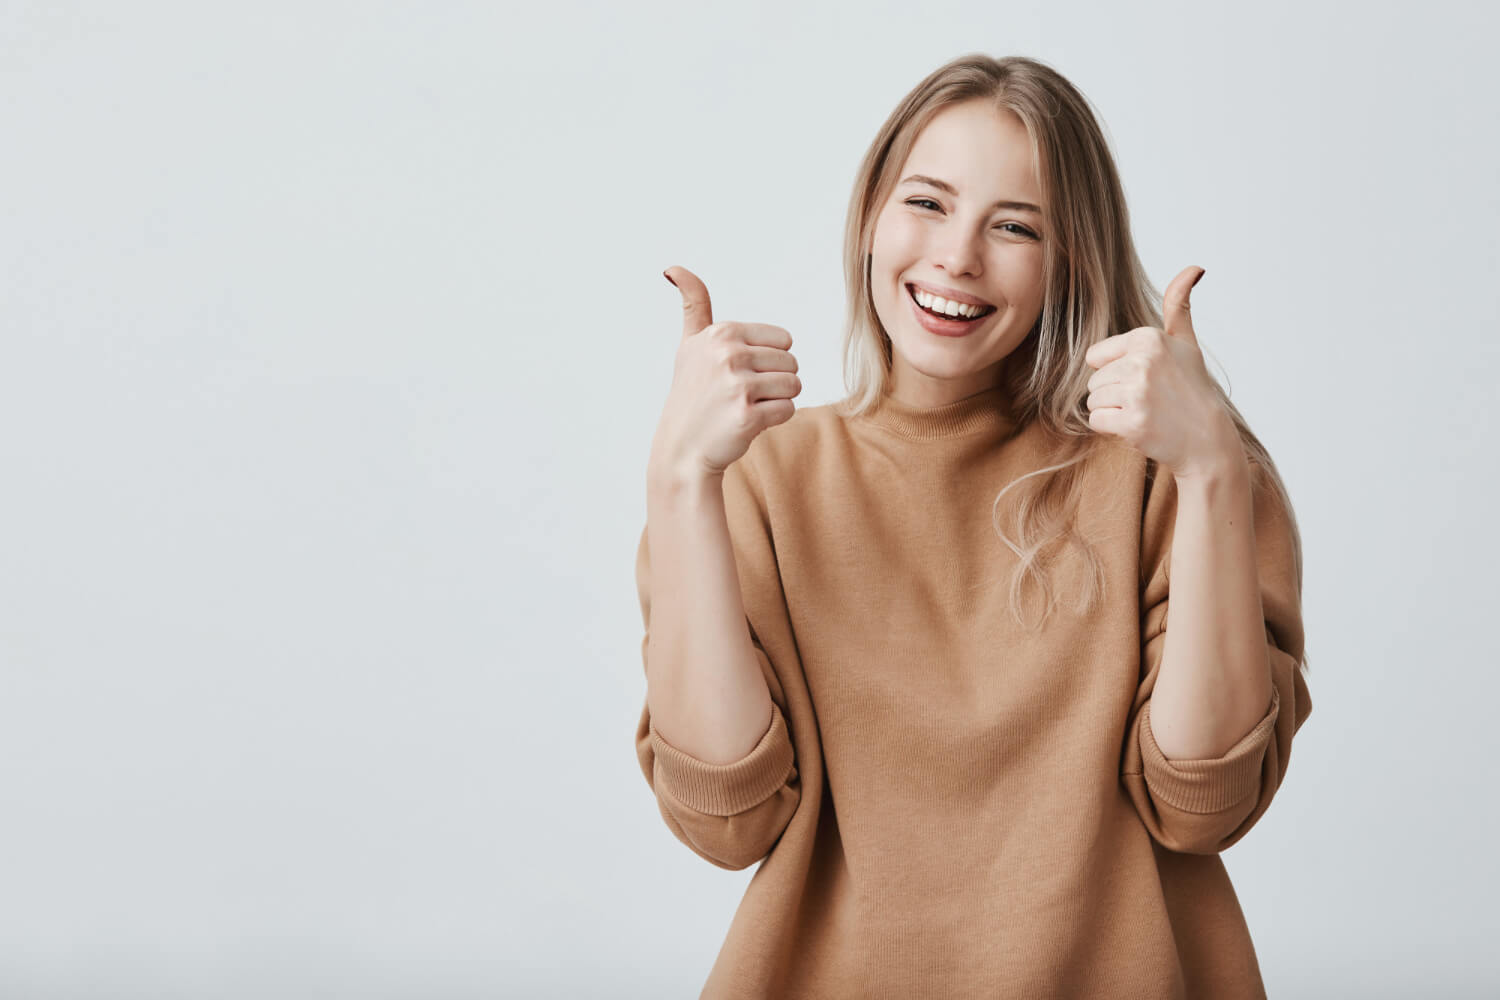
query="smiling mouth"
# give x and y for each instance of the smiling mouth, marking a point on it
(987, 310)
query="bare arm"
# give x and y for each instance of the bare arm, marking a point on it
(1215, 683)
(704, 686)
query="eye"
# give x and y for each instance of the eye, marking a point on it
(1012, 227)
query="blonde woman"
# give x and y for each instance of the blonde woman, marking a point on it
(909, 653)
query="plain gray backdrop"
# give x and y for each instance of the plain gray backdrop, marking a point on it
(334, 339)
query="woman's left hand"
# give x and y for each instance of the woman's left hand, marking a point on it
(1153, 390)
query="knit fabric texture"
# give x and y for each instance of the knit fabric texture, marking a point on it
(945, 804)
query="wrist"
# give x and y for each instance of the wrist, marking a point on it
(1223, 459)
(678, 478)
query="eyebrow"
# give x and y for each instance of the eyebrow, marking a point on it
(1024, 206)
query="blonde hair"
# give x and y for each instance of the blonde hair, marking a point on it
(1094, 285)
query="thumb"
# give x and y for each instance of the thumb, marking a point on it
(1176, 316)
(697, 311)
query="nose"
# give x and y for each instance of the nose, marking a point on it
(957, 253)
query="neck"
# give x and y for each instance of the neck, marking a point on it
(918, 391)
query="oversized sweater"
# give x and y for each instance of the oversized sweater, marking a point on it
(945, 805)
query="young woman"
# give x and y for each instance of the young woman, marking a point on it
(861, 669)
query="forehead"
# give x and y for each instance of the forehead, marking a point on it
(982, 150)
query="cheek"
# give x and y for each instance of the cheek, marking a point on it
(896, 235)
(1022, 276)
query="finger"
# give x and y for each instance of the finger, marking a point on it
(773, 385)
(1110, 374)
(1178, 320)
(1107, 350)
(771, 359)
(1111, 395)
(765, 335)
(1108, 420)
(697, 310)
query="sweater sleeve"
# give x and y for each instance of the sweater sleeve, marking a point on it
(1204, 806)
(732, 815)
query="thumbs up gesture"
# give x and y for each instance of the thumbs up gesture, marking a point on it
(1152, 389)
(731, 381)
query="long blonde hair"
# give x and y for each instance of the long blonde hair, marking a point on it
(1094, 283)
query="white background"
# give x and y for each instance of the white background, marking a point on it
(332, 342)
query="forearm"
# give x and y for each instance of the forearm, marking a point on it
(1214, 682)
(704, 686)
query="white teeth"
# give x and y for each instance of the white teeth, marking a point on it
(939, 304)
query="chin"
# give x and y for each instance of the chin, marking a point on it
(938, 363)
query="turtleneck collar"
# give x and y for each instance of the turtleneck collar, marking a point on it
(988, 410)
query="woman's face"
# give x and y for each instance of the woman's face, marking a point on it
(960, 239)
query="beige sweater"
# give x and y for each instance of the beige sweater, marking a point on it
(946, 806)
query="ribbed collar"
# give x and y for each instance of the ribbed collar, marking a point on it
(988, 410)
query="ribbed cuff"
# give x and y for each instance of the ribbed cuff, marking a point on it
(1211, 784)
(727, 789)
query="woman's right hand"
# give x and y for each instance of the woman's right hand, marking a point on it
(730, 382)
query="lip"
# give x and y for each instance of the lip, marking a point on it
(945, 327)
(951, 294)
